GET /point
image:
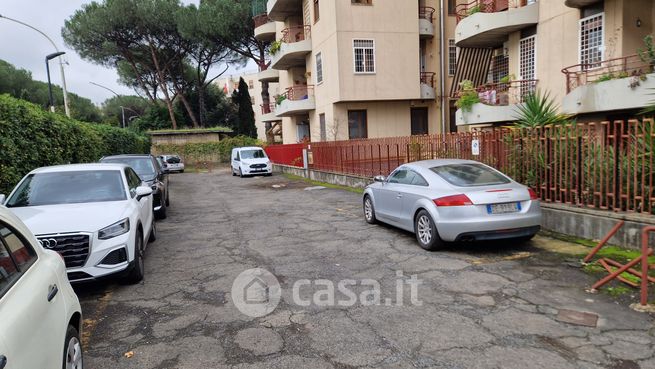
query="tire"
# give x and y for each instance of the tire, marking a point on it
(369, 210)
(524, 239)
(138, 270)
(168, 199)
(72, 357)
(234, 174)
(426, 232)
(161, 213)
(240, 173)
(182, 171)
(153, 232)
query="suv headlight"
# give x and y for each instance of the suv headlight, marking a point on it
(115, 229)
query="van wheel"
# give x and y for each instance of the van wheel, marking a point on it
(72, 350)
(233, 172)
(240, 173)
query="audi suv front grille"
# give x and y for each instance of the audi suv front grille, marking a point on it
(74, 248)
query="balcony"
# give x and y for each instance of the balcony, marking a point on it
(280, 10)
(488, 23)
(268, 113)
(498, 102)
(297, 100)
(295, 45)
(264, 26)
(580, 3)
(426, 22)
(617, 84)
(427, 86)
(269, 75)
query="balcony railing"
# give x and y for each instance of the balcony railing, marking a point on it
(427, 78)
(427, 13)
(258, 7)
(488, 6)
(626, 66)
(260, 20)
(267, 109)
(504, 94)
(296, 34)
(299, 92)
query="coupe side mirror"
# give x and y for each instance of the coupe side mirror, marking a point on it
(2, 199)
(379, 178)
(142, 191)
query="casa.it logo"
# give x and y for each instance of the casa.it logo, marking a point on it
(256, 292)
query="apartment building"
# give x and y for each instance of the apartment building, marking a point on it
(582, 52)
(350, 69)
(230, 83)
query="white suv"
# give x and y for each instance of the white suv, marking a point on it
(41, 316)
(250, 161)
(99, 217)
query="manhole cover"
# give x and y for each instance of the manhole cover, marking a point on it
(577, 317)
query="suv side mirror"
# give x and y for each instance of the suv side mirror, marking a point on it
(143, 191)
(2, 199)
(379, 178)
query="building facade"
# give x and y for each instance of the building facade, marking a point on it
(350, 69)
(583, 53)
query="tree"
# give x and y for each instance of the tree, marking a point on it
(228, 23)
(134, 106)
(245, 124)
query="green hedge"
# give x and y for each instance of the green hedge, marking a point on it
(206, 151)
(31, 137)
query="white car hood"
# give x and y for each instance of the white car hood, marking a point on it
(255, 161)
(89, 217)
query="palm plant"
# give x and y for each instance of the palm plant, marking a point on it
(539, 110)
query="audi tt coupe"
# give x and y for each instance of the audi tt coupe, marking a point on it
(99, 217)
(453, 200)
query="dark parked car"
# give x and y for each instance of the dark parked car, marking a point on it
(151, 172)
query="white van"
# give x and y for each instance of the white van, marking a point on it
(248, 161)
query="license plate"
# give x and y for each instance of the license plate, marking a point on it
(510, 207)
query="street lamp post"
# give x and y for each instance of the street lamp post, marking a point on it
(47, 68)
(61, 62)
(123, 108)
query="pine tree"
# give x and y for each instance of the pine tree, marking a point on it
(246, 116)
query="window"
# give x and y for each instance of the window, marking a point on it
(467, 175)
(357, 124)
(452, 57)
(321, 121)
(364, 51)
(362, 2)
(317, 13)
(452, 7)
(401, 176)
(591, 40)
(527, 63)
(419, 180)
(250, 84)
(319, 68)
(16, 256)
(252, 100)
(133, 181)
(499, 67)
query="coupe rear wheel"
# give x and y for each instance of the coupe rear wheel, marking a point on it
(138, 270)
(369, 210)
(72, 350)
(426, 232)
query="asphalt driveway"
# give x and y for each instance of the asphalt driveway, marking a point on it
(493, 306)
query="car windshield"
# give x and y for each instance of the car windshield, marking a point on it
(467, 175)
(173, 160)
(69, 188)
(253, 154)
(141, 165)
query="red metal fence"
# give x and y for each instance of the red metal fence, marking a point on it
(607, 165)
(286, 154)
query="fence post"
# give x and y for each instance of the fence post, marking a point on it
(578, 179)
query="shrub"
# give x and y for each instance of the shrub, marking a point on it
(195, 152)
(31, 137)
(467, 96)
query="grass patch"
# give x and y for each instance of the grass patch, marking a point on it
(219, 129)
(618, 291)
(318, 183)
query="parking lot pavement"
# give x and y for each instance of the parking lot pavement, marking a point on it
(492, 306)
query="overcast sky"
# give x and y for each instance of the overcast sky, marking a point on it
(27, 49)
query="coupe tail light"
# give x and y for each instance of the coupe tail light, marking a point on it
(454, 200)
(533, 194)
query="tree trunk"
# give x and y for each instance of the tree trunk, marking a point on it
(162, 85)
(188, 108)
(201, 105)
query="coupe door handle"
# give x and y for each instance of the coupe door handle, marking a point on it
(51, 294)
(3, 361)
(399, 196)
